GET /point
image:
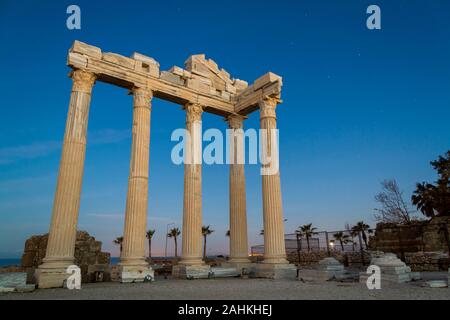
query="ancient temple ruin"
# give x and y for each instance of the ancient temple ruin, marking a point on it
(201, 86)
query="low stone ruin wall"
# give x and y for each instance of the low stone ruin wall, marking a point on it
(94, 263)
(312, 258)
(426, 236)
(427, 261)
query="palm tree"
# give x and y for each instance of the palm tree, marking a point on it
(206, 231)
(354, 234)
(149, 234)
(307, 231)
(342, 238)
(174, 233)
(119, 241)
(361, 228)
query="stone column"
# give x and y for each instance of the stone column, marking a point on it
(238, 211)
(191, 258)
(275, 264)
(133, 266)
(63, 228)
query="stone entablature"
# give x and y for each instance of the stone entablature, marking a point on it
(201, 81)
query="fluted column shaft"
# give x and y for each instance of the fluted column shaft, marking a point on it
(133, 252)
(192, 205)
(238, 210)
(66, 205)
(274, 243)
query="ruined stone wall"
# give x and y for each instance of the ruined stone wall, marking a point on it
(434, 237)
(390, 237)
(427, 236)
(312, 258)
(427, 261)
(88, 256)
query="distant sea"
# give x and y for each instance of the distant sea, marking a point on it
(9, 262)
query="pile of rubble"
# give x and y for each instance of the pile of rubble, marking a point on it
(94, 263)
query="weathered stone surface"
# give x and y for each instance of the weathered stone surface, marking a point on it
(88, 256)
(327, 269)
(312, 258)
(427, 261)
(221, 272)
(6, 290)
(244, 268)
(86, 49)
(190, 272)
(265, 80)
(171, 77)
(13, 279)
(437, 284)
(392, 268)
(26, 288)
(275, 271)
(119, 60)
(135, 276)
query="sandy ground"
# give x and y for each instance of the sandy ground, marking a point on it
(236, 289)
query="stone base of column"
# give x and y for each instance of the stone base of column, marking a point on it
(52, 272)
(138, 272)
(50, 278)
(197, 271)
(244, 267)
(275, 271)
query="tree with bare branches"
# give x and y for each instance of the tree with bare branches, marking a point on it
(393, 208)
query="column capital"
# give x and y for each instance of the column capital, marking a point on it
(193, 112)
(83, 80)
(142, 97)
(235, 121)
(268, 106)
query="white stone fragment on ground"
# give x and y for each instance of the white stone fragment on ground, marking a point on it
(136, 276)
(26, 288)
(221, 272)
(6, 290)
(437, 284)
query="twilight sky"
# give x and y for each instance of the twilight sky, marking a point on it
(359, 106)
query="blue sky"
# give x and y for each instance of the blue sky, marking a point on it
(359, 106)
